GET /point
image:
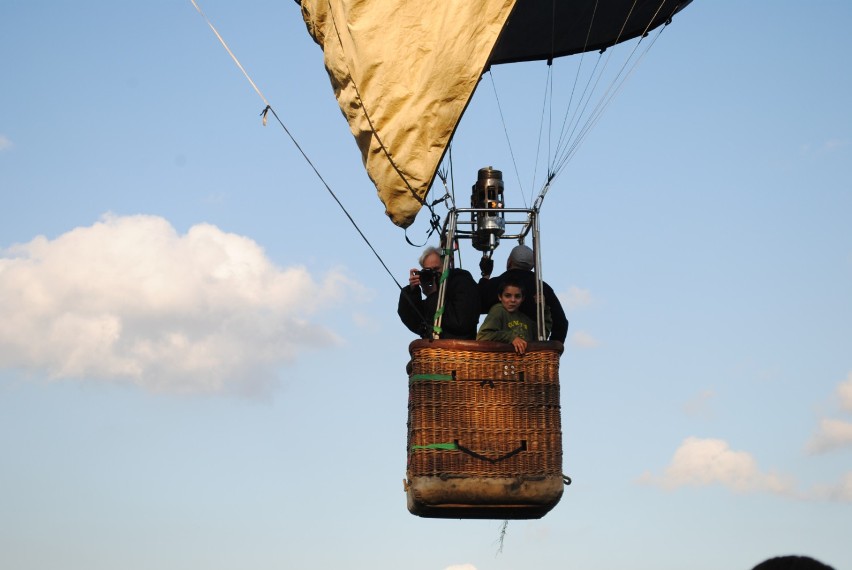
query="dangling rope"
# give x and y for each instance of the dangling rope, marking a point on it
(268, 109)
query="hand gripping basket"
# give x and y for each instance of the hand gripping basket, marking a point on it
(484, 430)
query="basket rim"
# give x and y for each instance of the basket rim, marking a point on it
(483, 345)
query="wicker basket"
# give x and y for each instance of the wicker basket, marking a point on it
(484, 430)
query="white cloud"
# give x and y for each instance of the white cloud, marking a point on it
(703, 462)
(576, 298)
(840, 492)
(129, 299)
(5, 143)
(461, 567)
(584, 340)
(844, 393)
(834, 434)
(831, 435)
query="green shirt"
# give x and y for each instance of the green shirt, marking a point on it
(503, 326)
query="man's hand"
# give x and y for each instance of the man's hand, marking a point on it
(414, 282)
(486, 266)
(414, 278)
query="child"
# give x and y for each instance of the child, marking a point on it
(506, 323)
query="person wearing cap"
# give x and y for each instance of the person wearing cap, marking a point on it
(519, 268)
(419, 300)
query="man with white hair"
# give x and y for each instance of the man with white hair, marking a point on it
(461, 302)
(519, 268)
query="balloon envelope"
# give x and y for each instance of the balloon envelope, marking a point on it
(404, 71)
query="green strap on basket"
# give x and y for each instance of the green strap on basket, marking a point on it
(422, 377)
(438, 313)
(443, 446)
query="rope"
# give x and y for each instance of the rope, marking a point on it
(615, 87)
(508, 138)
(517, 450)
(456, 446)
(268, 109)
(227, 49)
(381, 143)
(547, 104)
(573, 133)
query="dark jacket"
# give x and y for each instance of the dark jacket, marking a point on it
(461, 308)
(489, 289)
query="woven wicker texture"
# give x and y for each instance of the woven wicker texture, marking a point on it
(478, 409)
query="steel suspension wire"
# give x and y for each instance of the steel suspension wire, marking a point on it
(508, 138)
(582, 120)
(587, 95)
(579, 119)
(546, 109)
(268, 109)
(614, 87)
(601, 106)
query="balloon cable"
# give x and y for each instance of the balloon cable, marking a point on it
(227, 49)
(268, 109)
(584, 118)
(616, 85)
(508, 138)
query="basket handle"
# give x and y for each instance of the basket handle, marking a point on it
(520, 448)
(490, 381)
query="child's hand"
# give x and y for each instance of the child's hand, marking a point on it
(519, 344)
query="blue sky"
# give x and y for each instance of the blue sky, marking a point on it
(200, 361)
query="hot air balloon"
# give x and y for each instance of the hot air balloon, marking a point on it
(404, 71)
(484, 426)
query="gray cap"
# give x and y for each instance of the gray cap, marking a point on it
(522, 257)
